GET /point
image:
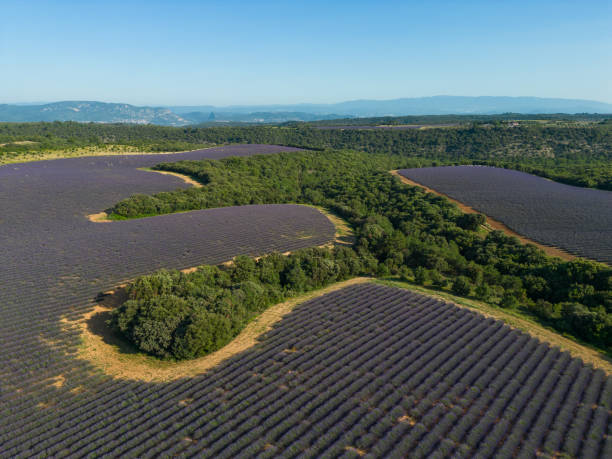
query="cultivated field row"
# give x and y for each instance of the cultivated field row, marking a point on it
(578, 220)
(54, 261)
(365, 370)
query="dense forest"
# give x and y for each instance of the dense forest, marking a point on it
(577, 154)
(400, 231)
(458, 119)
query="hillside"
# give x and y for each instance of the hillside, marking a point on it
(436, 105)
(100, 112)
(90, 111)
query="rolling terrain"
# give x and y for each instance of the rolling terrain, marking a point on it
(578, 220)
(365, 370)
(54, 262)
(101, 112)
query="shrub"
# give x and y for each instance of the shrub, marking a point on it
(483, 291)
(150, 323)
(509, 300)
(462, 286)
(421, 275)
(204, 333)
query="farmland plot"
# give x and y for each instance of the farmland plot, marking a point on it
(53, 261)
(578, 220)
(364, 370)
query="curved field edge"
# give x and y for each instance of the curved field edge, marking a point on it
(344, 233)
(515, 319)
(115, 357)
(491, 222)
(112, 356)
(103, 217)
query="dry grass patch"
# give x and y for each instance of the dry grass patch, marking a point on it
(104, 150)
(117, 358)
(100, 217)
(357, 451)
(407, 419)
(18, 142)
(491, 223)
(45, 405)
(183, 177)
(344, 234)
(59, 381)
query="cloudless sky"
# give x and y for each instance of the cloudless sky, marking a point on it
(256, 52)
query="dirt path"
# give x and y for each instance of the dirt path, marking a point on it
(491, 222)
(117, 359)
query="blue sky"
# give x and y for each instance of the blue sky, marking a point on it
(229, 52)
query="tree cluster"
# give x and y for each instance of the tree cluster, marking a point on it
(403, 231)
(175, 315)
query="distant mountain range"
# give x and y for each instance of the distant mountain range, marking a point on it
(90, 111)
(87, 111)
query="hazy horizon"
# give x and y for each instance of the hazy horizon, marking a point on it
(277, 53)
(305, 103)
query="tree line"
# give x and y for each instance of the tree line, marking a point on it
(400, 230)
(578, 155)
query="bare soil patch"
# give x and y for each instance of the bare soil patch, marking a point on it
(491, 222)
(100, 217)
(117, 358)
(407, 419)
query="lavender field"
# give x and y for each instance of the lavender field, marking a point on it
(54, 261)
(578, 220)
(366, 370)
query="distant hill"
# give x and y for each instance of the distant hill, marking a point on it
(446, 105)
(87, 111)
(256, 117)
(436, 105)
